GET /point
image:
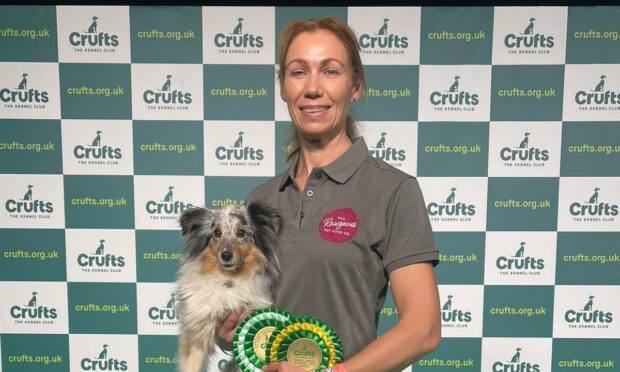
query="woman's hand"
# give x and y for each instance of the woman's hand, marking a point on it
(282, 367)
(225, 332)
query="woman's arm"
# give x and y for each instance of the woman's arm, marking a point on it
(417, 332)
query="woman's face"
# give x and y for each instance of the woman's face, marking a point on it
(318, 84)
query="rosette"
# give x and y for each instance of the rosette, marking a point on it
(252, 334)
(306, 342)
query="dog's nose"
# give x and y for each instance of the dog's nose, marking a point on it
(226, 256)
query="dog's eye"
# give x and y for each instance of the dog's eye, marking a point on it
(217, 233)
(241, 234)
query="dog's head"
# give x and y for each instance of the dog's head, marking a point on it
(233, 240)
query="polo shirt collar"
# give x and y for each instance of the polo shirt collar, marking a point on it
(341, 169)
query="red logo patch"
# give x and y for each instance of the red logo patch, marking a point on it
(339, 225)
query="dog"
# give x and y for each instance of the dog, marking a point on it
(239, 140)
(23, 84)
(28, 194)
(384, 28)
(103, 354)
(381, 142)
(238, 29)
(601, 84)
(230, 264)
(588, 306)
(167, 83)
(525, 141)
(450, 198)
(448, 304)
(97, 140)
(168, 197)
(100, 247)
(517, 357)
(520, 251)
(92, 29)
(33, 300)
(455, 86)
(594, 198)
(529, 30)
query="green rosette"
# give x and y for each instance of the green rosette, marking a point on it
(252, 334)
(306, 342)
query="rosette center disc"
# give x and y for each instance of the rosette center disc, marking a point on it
(305, 353)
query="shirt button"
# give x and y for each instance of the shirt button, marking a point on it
(309, 193)
(302, 214)
(318, 175)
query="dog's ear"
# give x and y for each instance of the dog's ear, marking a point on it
(265, 217)
(193, 219)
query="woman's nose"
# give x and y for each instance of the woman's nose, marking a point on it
(313, 88)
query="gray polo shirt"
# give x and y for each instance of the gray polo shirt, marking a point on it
(357, 220)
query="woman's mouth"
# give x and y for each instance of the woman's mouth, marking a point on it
(313, 111)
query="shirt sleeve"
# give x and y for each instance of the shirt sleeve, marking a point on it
(409, 236)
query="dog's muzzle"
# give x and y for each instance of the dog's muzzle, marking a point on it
(227, 260)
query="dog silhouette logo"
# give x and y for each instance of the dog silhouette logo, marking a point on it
(455, 85)
(450, 198)
(529, 30)
(517, 357)
(97, 140)
(588, 306)
(381, 142)
(100, 248)
(28, 194)
(33, 300)
(167, 83)
(168, 196)
(521, 250)
(23, 83)
(594, 198)
(448, 304)
(92, 29)
(172, 302)
(103, 354)
(600, 87)
(383, 30)
(239, 27)
(524, 141)
(239, 140)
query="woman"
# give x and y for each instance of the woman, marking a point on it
(350, 222)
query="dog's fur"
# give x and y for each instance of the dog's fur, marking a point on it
(230, 264)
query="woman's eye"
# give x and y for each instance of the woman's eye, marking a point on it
(296, 73)
(332, 72)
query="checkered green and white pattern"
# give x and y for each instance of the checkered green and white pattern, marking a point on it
(115, 119)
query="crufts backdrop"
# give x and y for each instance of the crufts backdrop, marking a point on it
(115, 119)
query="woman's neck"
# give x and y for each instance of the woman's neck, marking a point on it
(317, 154)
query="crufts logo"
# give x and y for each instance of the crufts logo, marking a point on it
(523, 155)
(24, 96)
(588, 317)
(454, 99)
(520, 263)
(102, 362)
(383, 42)
(166, 208)
(528, 41)
(450, 209)
(93, 38)
(238, 154)
(33, 313)
(100, 261)
(95, 153)
(28, 207)
(167, 314)
(596, 98)
(515, 364)
(453, 317)
(593, 210)
(383, 152)
(167, 96)
(238, 39)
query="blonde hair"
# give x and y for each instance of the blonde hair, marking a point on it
(345, 34)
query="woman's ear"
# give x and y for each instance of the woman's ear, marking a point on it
(356, 91)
